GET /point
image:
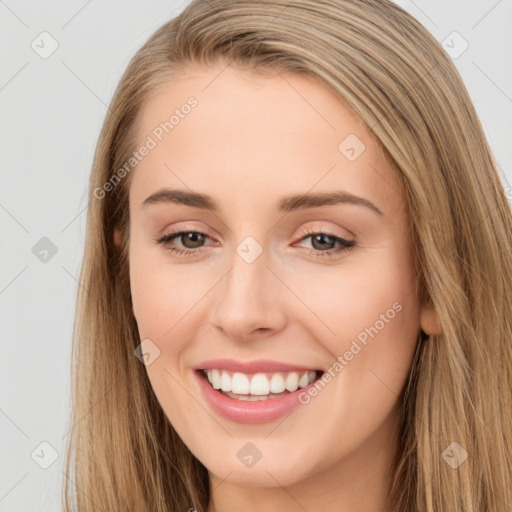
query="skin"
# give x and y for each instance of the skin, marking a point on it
(251, 141)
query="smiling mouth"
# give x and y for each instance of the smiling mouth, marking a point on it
(259, 386)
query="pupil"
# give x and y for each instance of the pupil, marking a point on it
(319, 238)
(195, 238)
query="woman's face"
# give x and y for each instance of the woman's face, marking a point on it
(299, 261)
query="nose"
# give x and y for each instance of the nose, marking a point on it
(249, 301)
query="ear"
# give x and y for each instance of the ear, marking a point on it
(117, 237)
(429, 320)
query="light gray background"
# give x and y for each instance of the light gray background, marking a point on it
(51, 113)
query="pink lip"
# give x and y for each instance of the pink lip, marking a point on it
(257, 366)
(261, 411)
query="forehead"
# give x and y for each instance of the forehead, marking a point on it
(278, 133)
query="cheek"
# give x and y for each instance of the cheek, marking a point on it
(163, 294)
(151, 300)
(162, 298)
(349, 298)
(369, 316)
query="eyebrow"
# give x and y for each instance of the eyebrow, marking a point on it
(286, 204)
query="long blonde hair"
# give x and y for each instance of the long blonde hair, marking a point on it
(122, 453)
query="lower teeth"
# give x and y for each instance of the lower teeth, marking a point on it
(252, 398)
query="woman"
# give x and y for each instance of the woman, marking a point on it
(298, 274)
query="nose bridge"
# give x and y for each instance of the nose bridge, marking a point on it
(246, 299)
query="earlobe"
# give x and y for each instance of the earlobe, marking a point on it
(429, 320)
(117, 237)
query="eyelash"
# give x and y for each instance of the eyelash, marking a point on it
(346, 245)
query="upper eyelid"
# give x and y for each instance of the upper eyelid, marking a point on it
(346, 245)
(307, 231)
(175, 235)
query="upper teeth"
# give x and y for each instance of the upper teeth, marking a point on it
(259, 383)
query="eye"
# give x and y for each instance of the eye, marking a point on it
(324, 244)
(193, 241)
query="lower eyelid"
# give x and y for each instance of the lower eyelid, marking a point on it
(172, 237)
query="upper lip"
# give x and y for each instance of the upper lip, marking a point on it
(255, 366)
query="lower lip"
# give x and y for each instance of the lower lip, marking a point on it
(241, 411)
